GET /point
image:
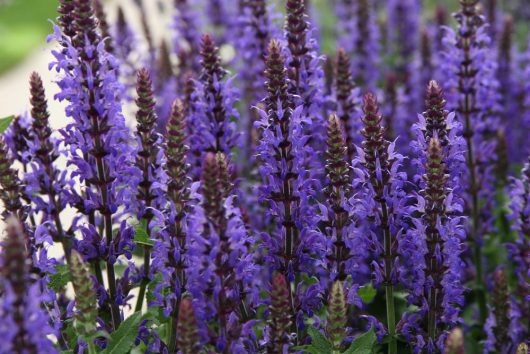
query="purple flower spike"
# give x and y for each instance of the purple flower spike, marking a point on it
(467, 73)
(378, 184)
(222, 279)
(212, 121)
(10, 186)
(25, 326)
(98, 144)
(337, 219)
(294, 246)
(359, 36)
(432, 268)
(519, 250)
(502, 327)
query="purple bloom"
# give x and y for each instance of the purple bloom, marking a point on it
(98, 142)
(187, 39)
(46, 184)
(359, 35)
(25, 325)
(212, 121)
(431, 249)
(467, 74)
(520, 249)
(222, 280)
(294, 246)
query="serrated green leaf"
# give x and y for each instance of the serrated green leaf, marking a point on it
(123, 338)
(319, 341)
(141, 236)
(60, 278)
(367, 293)
(5, 122)
(363, 344)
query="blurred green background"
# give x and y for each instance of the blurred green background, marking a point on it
(24, 26)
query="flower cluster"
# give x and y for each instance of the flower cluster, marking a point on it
(289, 198)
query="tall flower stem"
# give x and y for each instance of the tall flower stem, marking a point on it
(467, 109)
(377, 165)
(146, 162)
(46, 155)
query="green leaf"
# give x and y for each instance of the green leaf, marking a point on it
(367, 293)
(141, 236)
(5, 122)
(123, 338)
(318, 341)
(363, 344)
(60, 278)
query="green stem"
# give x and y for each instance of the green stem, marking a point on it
(172, 335)
(391, 319)
(145, 279)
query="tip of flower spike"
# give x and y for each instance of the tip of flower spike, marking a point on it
(280, 314)
(39, 105)
(337, 312)
(16, 262)
(187, 333)
(435, 149)
(454, 343)
(145, 102)
(370, 104)
(211, 60)
(523, 349)
(434, 89)
(279, 283)
(334, 122)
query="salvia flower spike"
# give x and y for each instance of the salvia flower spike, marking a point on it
(275, 209)
(86, 302)
(25, 324)
(188, 340)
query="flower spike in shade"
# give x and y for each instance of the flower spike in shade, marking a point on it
(279, 323)
(338, 191)
(10, 185)
(85, 296)
(47, 185)
(25, 325)
(337, 315)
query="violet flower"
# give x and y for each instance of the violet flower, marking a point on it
(213, 116)
(508, 75)
(347, 99)
(468, 77)
(46, 183)
(169, 254)
(149, 164)
(502, 326)
(404, 39)
(306, 77)
(294, 247)
(222, 280)
(432, 266)
(187, 39)
(25, 326)
(378, 184)
(337, 218)
(520, 249)
(359, 36)
(98, 143)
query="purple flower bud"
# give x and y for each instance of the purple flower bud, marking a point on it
(279, 324)
(187, 332)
